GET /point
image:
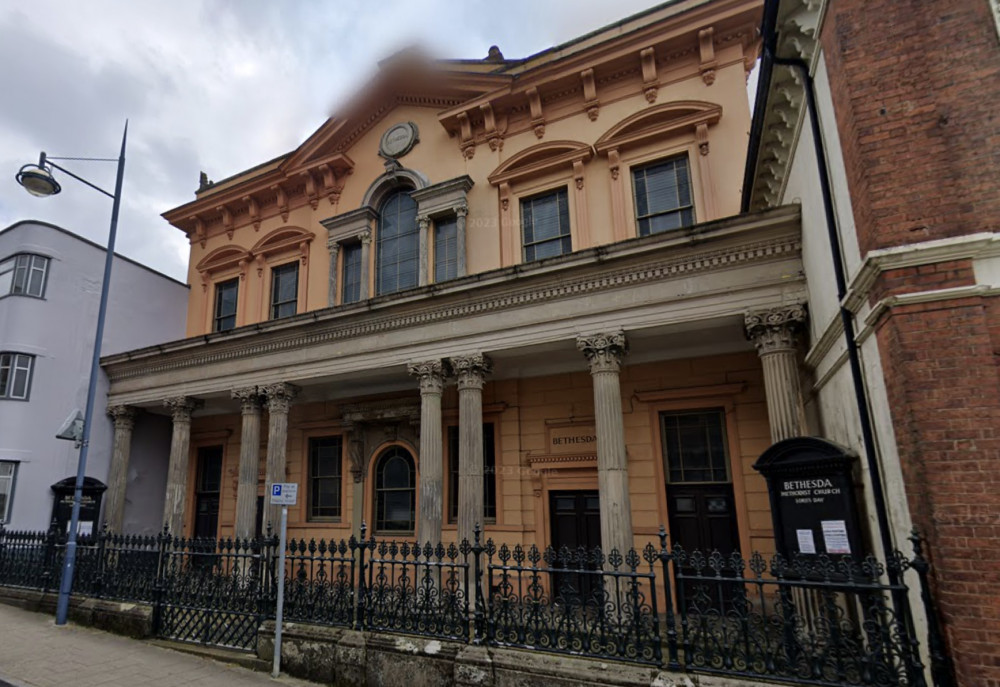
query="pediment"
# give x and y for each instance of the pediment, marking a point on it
(541, 158)
(437, 90)
(281, 239)
(223, 258)
(659, 121)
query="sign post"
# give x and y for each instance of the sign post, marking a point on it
(283, 494)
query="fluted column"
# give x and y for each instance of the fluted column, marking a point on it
(775, 332)
(431, 375)
(605, 353)
(114, 511)
(246, 489)
(460, 214)
(181, 408)
(366, 243)
(470, 372)
(424, 223)
(331, 296)
(279, 400)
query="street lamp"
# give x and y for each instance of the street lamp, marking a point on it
(38, 181)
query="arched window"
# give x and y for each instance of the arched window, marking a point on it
(395, 491)
(397, 244)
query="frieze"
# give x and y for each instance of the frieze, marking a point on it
(335, 329)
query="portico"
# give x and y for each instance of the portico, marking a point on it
(433, 431)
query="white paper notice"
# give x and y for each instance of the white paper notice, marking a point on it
(806, 542)
(85, 528)
(835, 536)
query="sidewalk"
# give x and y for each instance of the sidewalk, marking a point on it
(36, 653)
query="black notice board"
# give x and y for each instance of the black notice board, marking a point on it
(813, 499)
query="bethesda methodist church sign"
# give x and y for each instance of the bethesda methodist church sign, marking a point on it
(812, 498)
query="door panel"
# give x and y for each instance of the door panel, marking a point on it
(576, 522)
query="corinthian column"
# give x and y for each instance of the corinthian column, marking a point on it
(181, 408)
(114, 511)
(279, 400)
(605, 353)
(470, 372)
(774, 332)
(431, 375)
(246, 490)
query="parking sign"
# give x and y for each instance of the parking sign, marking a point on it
(284, 493)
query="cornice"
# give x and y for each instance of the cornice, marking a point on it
(798, 27)
(744, 241)
(970, 247)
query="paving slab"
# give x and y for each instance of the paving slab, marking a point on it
(34, 652)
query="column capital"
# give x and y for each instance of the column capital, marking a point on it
(249, 398)
(279, 396)
(605, 351)
(124, 416)
(775, 329)
(333, 245)
(181, 407)
(471, 370)
(365, 237)
(424, 221)
(431, 374)
(462, 211)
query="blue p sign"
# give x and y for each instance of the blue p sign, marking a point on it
(275, 490)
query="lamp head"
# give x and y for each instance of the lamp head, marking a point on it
(38, 180)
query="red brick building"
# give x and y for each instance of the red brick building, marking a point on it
(906, 94)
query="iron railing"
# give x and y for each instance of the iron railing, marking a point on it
(813, 620)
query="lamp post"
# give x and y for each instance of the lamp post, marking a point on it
(38, 181)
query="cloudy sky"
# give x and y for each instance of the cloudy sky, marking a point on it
(214, 85)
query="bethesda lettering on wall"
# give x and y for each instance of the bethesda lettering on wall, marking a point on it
(572, 439)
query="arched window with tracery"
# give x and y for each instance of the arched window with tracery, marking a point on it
(395, 492)
(397, 244)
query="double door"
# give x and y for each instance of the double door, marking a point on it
(575, 518)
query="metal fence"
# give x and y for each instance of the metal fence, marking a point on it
(812, 621)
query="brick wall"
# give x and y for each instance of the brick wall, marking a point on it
(916, 93)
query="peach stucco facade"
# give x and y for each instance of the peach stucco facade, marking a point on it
(627, 364)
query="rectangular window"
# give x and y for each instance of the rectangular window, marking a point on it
(695, 446)
(226, 296)
(663, 196)
(445, 250)
(325, 458)
(15, 375)
(352, 274)
(24, 275)
(545, 223)
(489, 473)
(284, 290)
(7, 470)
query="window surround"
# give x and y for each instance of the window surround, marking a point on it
(13, 274)
(534, 171)
(639, 139)
(5, 391)
(279, 248)
(447, 200)
(8, 481)
(307, 439)
(377, 458)
(222, 265)
(642, 162)
(529, 198)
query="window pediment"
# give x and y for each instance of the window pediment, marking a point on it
(279, 240)
(223, 258)
(540, 159)
(659, 121)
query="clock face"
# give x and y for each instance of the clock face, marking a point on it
(398, 140)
